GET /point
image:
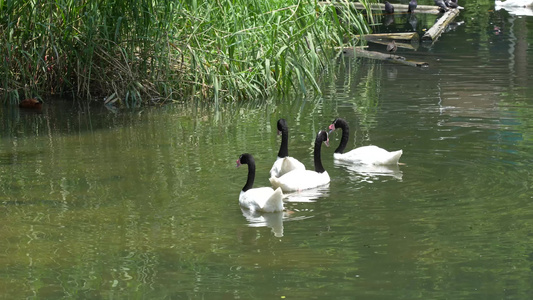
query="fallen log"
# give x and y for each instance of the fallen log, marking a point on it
(398, 8)
(361, 52)
(436, 30)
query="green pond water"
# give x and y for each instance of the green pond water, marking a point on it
(144, 204)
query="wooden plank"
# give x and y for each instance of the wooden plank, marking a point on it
(397, 36)
(436, 30)
(407, 40)
(361, 52)
(398, 8)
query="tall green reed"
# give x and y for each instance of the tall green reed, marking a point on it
(138, 52)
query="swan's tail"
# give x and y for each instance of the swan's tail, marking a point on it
(274, 181)
(288, 165)
(275, 202)
(394, 158)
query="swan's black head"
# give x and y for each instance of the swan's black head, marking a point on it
(282, 126)
(245, 158)
(337, 123)
(322, 136)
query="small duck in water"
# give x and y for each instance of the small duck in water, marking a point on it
(32, 103)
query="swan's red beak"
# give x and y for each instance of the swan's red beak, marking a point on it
(327, 142)
(331, 128)
(238, 163)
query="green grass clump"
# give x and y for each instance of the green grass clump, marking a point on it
(138, 52)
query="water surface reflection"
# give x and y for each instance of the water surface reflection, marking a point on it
(144, 204)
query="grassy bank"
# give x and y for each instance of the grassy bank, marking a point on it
(138, 52)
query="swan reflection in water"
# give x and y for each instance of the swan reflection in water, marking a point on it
(274, 220)
(371, 172)
(310, 195)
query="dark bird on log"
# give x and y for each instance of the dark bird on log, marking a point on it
(412, 6)
(450, 4)
(32, 103)
(391, 48)
(389, 8)
(441, 5)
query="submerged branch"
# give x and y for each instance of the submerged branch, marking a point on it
(359, 51)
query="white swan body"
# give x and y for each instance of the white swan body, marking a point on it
(516, 7)
(263, 199)
(514, 3)
(284, 163)
(370, 155)
(298, 180)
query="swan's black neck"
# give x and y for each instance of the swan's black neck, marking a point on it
(249, 160)
(340, 123)
(316, 153)
(284, 148)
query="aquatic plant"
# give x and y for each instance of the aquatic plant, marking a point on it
(137, 52)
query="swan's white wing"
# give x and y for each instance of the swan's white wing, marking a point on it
(263, 199)
(290, 164)
(276, 167)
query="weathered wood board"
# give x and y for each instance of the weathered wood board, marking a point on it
(408, 40)
(436, 30)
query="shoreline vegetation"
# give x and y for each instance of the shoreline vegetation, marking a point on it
(134, 53)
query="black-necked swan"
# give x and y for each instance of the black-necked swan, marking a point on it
(299, 180)
(362, 155)
(263, 199)
(284, 163)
